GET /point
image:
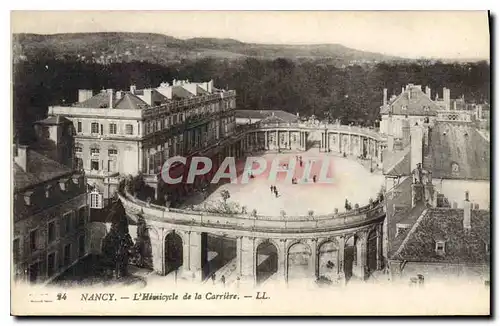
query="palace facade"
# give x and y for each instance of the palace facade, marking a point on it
(119, 133)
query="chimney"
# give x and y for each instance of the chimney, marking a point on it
(133, 88)
(416, 143)
(406, 132)
(446, 98)
(84, 94)
(110, 93)
(119, 95)
(385, 96)
(467, 212)
(148, 96)
(390, 143)
(428, 91)
(21, 158)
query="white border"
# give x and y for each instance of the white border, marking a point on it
(193, 4)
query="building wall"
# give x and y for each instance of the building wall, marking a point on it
(394, 124)
(439, 272)
(58, 214)
(454, 190)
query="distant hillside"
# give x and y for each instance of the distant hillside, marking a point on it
(163, 49)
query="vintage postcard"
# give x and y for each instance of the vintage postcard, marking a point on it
(250, 163)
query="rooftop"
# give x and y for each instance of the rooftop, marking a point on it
(458, 151)
(40, 169)
(412, 101)
(276, 115)
(441, 224)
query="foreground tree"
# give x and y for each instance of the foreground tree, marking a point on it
(117, 243)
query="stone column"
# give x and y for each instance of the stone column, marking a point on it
(314, 258)
(141, 159)
(246, 259)
(158, 252)
(147, 160)
(361, 245)
(277, 139)
(341, 272)
(340, 141)
(289, 141)
(282, 261)
(195, 248)
(186, 264)
(267, 143)
(360, 146)
(349, 144)
(379, 247)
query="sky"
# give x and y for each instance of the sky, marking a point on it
(429, 34)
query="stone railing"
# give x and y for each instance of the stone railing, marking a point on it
(298, 224)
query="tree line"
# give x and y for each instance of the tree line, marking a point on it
(351, 93)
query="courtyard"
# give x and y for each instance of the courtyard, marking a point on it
(349, 180)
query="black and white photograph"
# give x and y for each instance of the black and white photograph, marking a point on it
(250, 163)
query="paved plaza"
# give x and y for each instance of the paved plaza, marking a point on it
(351, 181)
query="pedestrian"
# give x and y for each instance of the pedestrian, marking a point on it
(272, 189)
(223, 280)
(213, 278)
(276, 193)
(314, 178)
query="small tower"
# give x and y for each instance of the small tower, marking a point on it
(55, 139)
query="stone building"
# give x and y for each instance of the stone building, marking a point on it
(50, 216)
(119, 133)
(437, 200)
(414, 105)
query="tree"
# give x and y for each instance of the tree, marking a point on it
(117, 243)
(225, 195)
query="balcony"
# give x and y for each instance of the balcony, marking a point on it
(100, 174)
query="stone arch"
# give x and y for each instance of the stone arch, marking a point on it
(328, 259)
(266, 260)
(298, 261)
(173, 252)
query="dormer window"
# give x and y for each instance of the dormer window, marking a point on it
(455, 169)
(404, 107)
(63, 184)
(440, 248)
(27, 197)
(48, 191)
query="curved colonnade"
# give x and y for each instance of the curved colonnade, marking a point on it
(255, 249)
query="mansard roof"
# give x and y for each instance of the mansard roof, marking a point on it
(458, 151)
(446, 224)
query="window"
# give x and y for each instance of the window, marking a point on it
(112, 128)
(65, 224)
(101, 129)
(78, 149)
(79, 163)
(94, 165)
(81, 246)
(67, 255)
(129, 129)
(440, 247)
(51, 264)
(404, 107)
(34, 242)
(487, 248)
(51, 232)
(94, 128)
(112, 151)
(16, 249)
(95, 200)
(79, 126)
(95, 150)
(81, 216)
